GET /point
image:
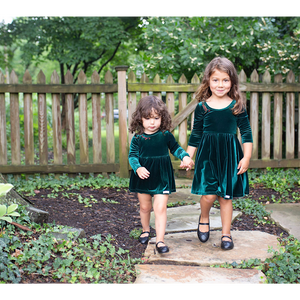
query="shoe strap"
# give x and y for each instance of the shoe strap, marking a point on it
(143, 233)
(204, 223)
(226, 236)
(159, 242)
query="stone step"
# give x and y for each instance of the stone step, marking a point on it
(155, 274)
(185, 248)
(186, 218)
(286, 215)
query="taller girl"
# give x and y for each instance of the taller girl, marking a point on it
(221, 165)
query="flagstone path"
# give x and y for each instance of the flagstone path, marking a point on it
(190, 261)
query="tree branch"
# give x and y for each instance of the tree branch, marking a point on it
(101, 68)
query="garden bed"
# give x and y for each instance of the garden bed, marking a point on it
(106, 208)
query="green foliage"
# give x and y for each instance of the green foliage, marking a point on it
(279, 180)
(284, 265)
(185, 45)
(65, 183)
(135, 233)
(5, 188)
(86, 43)
(180, 203)
(80, 261)
(7, 212)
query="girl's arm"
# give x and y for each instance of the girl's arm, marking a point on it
(245, 161)
(134, 162)
(247, 141)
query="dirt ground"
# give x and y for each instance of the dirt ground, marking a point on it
(116, 212)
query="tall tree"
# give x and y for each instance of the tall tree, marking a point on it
(76, 43)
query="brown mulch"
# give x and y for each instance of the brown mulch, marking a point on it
(119, 219)
(104, 217)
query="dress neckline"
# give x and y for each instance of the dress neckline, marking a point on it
(151, 134)
(219, 108)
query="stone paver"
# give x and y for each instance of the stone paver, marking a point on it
(183, 195)
(188, 260)
(155, 274)
(185, 248)
(286, 216)
(186, 218)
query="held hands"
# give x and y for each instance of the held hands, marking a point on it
(243, 165)
(143, 173)
(187, 163)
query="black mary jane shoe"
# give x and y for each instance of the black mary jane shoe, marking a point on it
(203, 236)
(144, 239)
(162, 249)
(226, 245)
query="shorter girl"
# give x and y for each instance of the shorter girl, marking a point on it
(149, 158)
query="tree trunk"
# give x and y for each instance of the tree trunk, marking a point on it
(13, 196)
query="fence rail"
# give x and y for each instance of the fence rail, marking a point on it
(273, 109)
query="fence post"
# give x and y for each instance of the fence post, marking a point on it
(122, 104)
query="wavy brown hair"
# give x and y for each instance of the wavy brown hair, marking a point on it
(224, 65)
(144, 110)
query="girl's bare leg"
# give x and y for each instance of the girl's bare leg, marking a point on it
(226, 211)
(206, 203)
(145, 211)
(160, 211)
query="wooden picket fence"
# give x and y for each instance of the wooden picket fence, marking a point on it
(276, 132)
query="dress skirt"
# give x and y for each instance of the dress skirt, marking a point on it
(216, 167)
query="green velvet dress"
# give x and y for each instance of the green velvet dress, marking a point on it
(219, 151)
(152, 152)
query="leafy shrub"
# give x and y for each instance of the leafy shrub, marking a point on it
(284, 265)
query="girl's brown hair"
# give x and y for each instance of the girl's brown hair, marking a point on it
(144, 110)
(224, 65)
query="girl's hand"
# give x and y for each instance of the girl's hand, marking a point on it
(243, 165)
(143, 173)
(187, 163)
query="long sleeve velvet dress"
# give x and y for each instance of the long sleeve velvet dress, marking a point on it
(219, 151)
(152, 152)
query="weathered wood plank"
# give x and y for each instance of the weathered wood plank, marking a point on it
(122, 103)
(290, 120)
(170, 99)
(28, 123)
(195, 80)
(96, 113)
(182, 130)
(254, 110)
(31, 169)
(131, 103)
(266, 120)
(278, 121)
(144, 80)
(180, 117)
(15, 123)
(70, 125)
(109, 117)
(58, 88)
(56, 123)
(42, 121)
(157, 80)
(262, 163)
(3, 138)
(83, 123)
(191, 88)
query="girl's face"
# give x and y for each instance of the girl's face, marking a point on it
(151, 124)
(220, 84)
